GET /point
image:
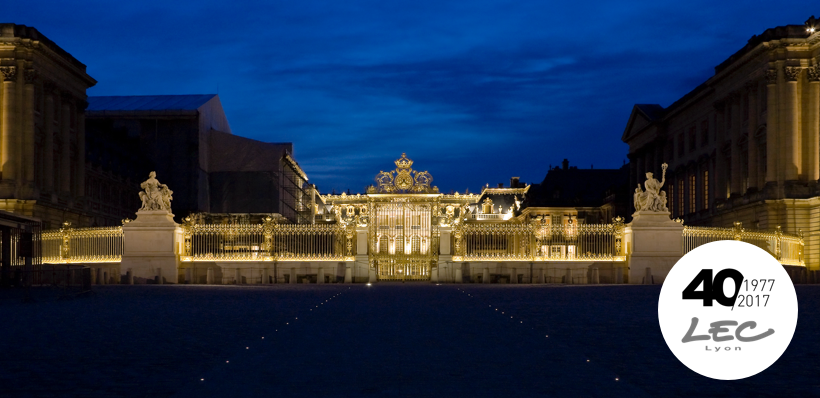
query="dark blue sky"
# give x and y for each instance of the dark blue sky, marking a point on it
(474, 91)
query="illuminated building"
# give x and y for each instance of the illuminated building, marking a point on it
(745, 144)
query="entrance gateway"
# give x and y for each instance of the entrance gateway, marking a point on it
(403, 217)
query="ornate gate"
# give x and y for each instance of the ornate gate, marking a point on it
(404, 240)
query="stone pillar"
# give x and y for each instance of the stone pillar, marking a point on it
(791, 136)
(209, 278)
(65, 146)
(28, 164)
(320, 275)
(459, 277)
(48, 142)
(750, 132)
(348, 273)
(237, 276)
(8, 140)
(79, 185)
(444, 240)
(656, 244)
(293, 275)
(813, 124)
(736, 178)
(149, 245)
(513, 275)
(485, 276)
(772, 144)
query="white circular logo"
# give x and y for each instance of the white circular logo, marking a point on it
(727, 310)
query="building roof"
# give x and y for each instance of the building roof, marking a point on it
(148, 102)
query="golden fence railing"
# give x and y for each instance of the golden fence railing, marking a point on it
(788, 249)
(82, 245)
(543, 242)
(268, 241)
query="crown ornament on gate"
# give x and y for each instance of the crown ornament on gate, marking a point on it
(403, 179)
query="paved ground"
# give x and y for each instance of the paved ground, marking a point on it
(382, 340)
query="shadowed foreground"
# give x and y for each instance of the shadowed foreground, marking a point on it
(355, 340)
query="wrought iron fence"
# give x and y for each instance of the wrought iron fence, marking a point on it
(788, 249)
(539, 241)
(82, 245)
(267, 242)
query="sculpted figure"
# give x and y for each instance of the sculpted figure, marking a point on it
(652, 199)
(155, 196)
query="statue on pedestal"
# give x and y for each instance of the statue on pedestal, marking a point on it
(155, 196)
(652, 199)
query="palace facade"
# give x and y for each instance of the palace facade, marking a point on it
(745, 144)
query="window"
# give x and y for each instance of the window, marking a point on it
(704, 133)
(692, 187)
(680, 197)
(692, 143)
(705, 179)
(680, 145)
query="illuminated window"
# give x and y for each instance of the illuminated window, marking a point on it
(671, 195)
(705, 189)
(680, 197)
(692, 193)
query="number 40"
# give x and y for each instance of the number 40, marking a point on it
(713, 289)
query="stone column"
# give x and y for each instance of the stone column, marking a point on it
(733, 112)
(79, 185)
(65, 146)
(8, 139)
(28, 162)
(752, 129)
(791, 147)
(813, 123)
(48, 132)
(772, 111)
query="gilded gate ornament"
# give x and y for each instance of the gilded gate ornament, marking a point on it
(406, 180)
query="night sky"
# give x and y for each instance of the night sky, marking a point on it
(474, 91)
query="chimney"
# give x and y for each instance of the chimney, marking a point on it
(565, 164)
(501, 185)
(514, 182)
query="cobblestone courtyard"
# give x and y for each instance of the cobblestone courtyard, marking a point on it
(357, 340)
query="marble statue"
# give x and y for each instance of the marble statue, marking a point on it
(155, 196)
(652, 199)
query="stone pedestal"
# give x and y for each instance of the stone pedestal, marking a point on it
(656, 244)
(320, 275)
(149, 246)
(459, 277)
